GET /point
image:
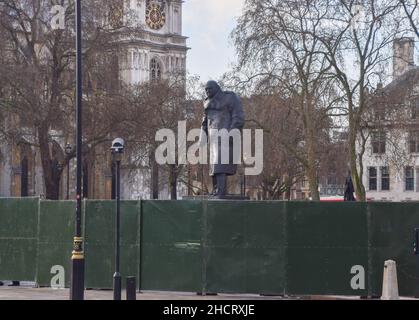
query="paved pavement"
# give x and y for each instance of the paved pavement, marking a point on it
(27, 292)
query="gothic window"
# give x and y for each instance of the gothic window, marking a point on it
(379, 142)
(385, 179)
(24, 178)
(417, 179)
(410, 178)
(414, 105)
(141, 60)
(372, 172)
(414, 141)
(380, 113)
(155, 70)
(136, 60)
(116, 14)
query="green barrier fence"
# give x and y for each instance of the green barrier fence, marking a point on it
(391, 236)
(171, 251)
(294, 248)
(18, 238)
(245, 247)
(324, 242)
(55, 233)
(100, 242)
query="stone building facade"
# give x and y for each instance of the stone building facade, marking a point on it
(391, 160)
(153, 53)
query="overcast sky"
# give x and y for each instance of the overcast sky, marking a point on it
(208, 25)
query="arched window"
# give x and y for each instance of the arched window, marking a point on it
(116, 14)
(24, 178)
(155, 70)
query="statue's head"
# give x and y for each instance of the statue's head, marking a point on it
(212, 88)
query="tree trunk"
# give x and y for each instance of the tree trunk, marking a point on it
(52, 172)
(312, 162)
(173, 182)
(313, 185)
(310, 143)
(154, 180)
(358, 185)
(288, 194)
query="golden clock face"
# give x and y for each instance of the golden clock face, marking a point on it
(155, 16)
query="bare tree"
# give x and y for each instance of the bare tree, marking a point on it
(280, 54)
(37, 76)
(411, 10)
(153, 106)
(363, 31)
(281, 168)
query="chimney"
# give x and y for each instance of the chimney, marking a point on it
(403, 59)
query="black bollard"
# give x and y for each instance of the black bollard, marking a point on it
(131, 288)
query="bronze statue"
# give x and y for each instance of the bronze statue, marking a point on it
(223, 110)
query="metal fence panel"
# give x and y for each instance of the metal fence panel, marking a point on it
(391, 237)
(18, 238)
(244, 248)
(325, 241)
(100, 242)
(56, 232)
(171, 246)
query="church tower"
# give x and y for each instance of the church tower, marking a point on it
(158, 50)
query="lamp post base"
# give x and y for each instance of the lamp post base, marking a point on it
(117, 286)
(77, 279)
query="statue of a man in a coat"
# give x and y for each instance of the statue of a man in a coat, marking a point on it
(223, 110)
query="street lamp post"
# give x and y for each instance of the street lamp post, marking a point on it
(117, 151)
(68, 150)
(77, 272)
